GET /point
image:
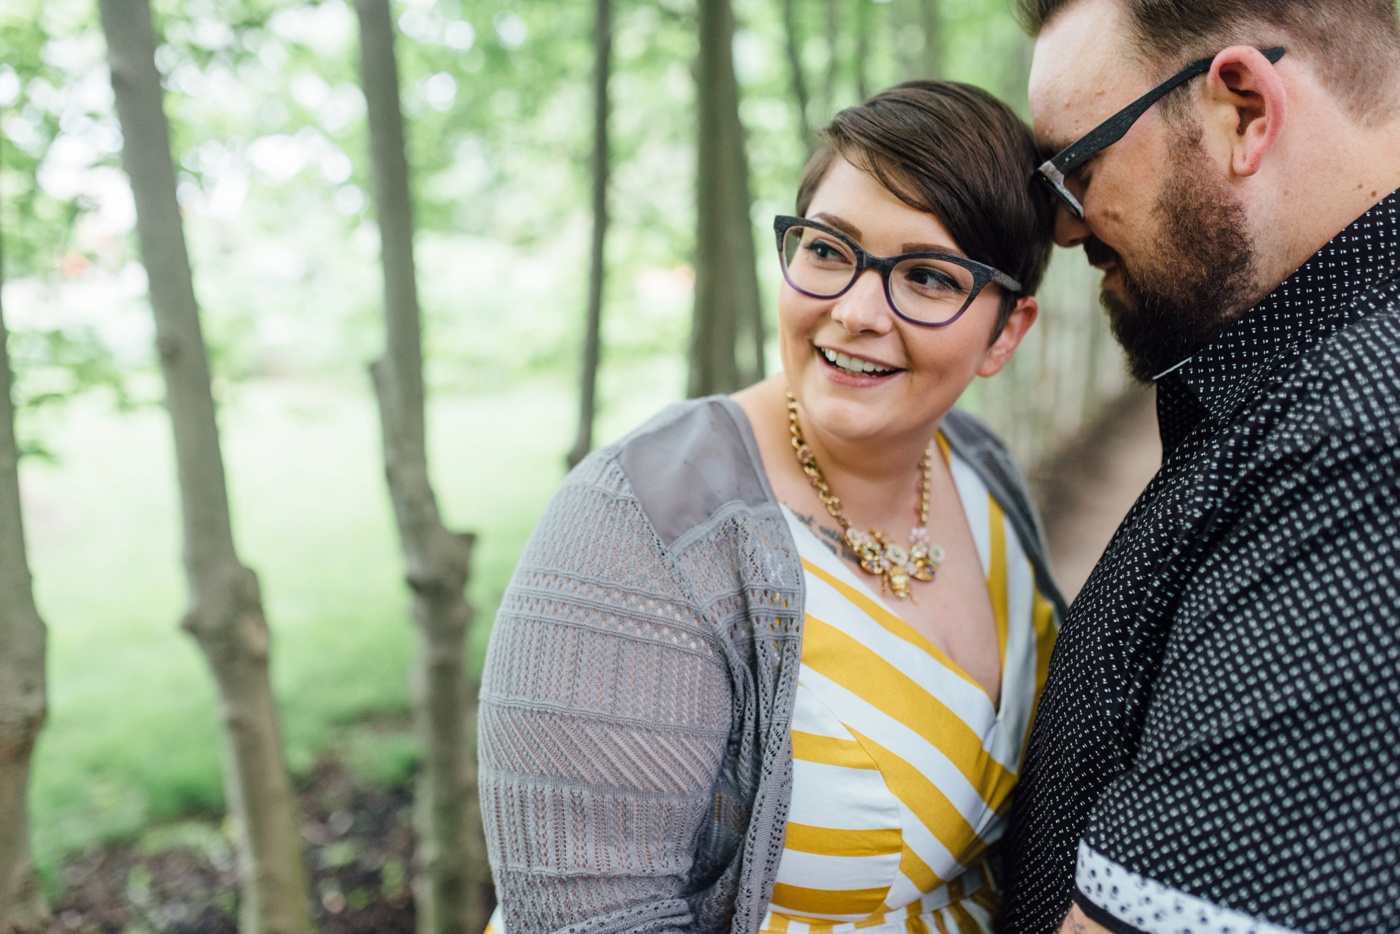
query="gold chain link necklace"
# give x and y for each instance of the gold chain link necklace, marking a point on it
(896, 567)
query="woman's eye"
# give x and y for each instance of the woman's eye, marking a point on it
(822, 251)
(932, 279)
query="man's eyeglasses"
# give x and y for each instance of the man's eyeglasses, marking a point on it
(1054, 171)
(931, 290)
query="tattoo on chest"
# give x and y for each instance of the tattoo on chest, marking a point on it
(830, 538)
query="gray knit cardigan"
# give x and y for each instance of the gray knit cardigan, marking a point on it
(635, 751)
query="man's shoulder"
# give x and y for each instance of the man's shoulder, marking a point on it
(1349, 383)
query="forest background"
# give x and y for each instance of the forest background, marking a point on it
(271, 145)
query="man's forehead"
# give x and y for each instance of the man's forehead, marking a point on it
(1079, 71)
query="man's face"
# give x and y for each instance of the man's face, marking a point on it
(1159, 221)
(1170, 300)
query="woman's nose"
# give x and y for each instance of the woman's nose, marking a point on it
(1070, 229)
(865, 306)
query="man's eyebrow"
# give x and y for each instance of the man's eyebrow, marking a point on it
(1048, 148)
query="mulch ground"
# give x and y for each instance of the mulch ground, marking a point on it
(359, 850)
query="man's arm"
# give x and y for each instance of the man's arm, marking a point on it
(1263, 789)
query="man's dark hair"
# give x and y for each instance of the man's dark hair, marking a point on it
(958, 153)
(1353, 44)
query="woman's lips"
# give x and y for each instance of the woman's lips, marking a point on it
(855, 370)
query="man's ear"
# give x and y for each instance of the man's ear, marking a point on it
(1001, 349)
(1246, 101)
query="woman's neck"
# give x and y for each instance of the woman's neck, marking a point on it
(877, 480)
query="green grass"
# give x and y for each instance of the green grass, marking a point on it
(132, 738)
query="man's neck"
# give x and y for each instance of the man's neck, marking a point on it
(1340, 171)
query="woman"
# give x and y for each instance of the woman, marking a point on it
(713, 701)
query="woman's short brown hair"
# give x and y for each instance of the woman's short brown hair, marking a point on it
(958, 153)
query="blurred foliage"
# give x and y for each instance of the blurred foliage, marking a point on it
(268, 133)
(57, 365)
(268, 130)
(36, 109)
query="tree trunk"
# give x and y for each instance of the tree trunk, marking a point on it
(752, 330)
(902, 21)
(862, 49)
(225, 613)
(931, 19)
(592, 342)
(22, 683)
(451, 858)
(726, 348)
(1015, 73)
(793, 45)
(833, 58)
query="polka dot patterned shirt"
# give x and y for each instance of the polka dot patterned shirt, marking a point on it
(1218, 745)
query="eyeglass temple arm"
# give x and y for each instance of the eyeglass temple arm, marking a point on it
(1005, 281)
(1112, 129)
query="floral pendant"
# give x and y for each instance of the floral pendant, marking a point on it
(896, 567)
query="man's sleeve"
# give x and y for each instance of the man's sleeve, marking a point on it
(1266, 794)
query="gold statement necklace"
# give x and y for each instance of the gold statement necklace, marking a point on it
(896, 567)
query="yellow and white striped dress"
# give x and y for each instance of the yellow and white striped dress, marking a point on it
(902, 764)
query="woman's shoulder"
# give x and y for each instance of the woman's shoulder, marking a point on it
(689, 462)
(970, 434)
(975, 442)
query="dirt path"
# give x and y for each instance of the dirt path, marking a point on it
(1087, 488)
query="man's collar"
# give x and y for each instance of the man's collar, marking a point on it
(1313, 302)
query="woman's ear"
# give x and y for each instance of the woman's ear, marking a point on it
(1001, 349)
(1246, 104)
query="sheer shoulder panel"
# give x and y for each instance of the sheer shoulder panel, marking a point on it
(605, 712)
(635, 761)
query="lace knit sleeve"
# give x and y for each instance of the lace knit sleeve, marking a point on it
(605, 712)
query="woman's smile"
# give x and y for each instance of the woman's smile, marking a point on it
(855, 366)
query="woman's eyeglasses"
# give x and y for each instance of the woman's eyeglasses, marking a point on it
(931, 290)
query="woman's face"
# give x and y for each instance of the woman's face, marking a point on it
(922, 370)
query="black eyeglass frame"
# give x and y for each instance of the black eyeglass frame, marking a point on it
(982, 274)
(1054, 171)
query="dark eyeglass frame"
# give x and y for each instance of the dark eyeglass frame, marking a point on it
(1054, 171)
(982, 274)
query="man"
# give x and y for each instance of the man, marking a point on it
(1218, 745)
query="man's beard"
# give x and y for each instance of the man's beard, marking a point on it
(1174, 300)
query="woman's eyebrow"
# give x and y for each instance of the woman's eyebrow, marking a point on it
(931, 248)
(852, 231)
(845, 226)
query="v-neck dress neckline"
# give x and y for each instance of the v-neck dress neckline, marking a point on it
(902, 764)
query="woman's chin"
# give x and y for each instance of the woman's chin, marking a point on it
(834, 412)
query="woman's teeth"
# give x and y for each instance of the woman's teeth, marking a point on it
(853, 366)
